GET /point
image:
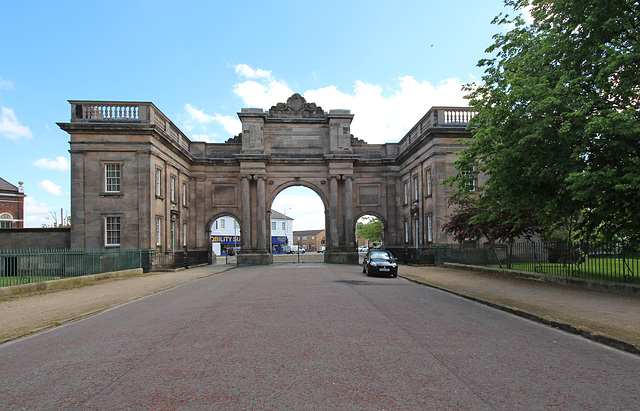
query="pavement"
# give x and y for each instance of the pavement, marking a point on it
(608, 316)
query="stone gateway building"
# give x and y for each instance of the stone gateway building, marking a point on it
(138, 182)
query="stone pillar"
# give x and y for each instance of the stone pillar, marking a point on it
(333, 211)
(349, 233)
(261, 214)
(245, 239)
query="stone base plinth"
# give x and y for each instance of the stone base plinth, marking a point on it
(341, 257)
(250, 258)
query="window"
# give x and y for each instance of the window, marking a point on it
(173, 235)
(222, 220)
(416, 189)
(406, 194)
(184, 194)
(158, 182)
(173, 189)
(112, 231)
(304, 237)
(158, 231)
(6, 220)
(417, 235)
(273, 226)
(284, 226)
(471, 185)
(184, 234)
(406, 231)
(427, 182)
(112, 176)
(430, 228)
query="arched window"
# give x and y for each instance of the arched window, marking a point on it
(6, 220)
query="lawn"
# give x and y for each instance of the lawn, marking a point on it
(594, 268)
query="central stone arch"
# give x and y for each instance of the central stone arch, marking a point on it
(295, 144)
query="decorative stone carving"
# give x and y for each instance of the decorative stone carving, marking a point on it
(296, 107)
(235, 139)
(356, 140)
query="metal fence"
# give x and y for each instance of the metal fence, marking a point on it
(31, 266)
(612, 262)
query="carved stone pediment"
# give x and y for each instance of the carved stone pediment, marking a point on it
(296, 107)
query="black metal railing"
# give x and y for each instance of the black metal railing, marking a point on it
(31, 266)
(605, 262)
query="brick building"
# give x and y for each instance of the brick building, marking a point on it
(310, 240)
(11, 205)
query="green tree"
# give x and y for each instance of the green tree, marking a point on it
(369, 229)
(557, 129)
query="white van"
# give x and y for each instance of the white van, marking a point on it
(295, 249)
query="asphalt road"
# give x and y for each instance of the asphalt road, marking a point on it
(311, 336)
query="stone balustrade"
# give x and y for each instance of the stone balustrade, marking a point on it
(125, 112)
(438, 117)
(109, 111)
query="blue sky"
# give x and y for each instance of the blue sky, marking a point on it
(201, 62)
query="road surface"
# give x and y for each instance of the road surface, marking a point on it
(311, 336)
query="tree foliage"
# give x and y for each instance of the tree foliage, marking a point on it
(558, 124)
(369, 229)
(468, 223)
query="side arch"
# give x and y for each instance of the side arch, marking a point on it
(379, 217)
(208, 226)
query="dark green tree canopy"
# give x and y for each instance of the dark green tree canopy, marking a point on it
(557, 129)
(369, 229)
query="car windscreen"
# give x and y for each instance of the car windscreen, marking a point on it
(380, 256)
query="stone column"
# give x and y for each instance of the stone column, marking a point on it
(261, 214)
(333, 211)
(349, 233)
(245, 239)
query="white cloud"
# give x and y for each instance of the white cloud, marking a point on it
(35, 214)
(231, 125)
(381, 115)
(10, 127)
(6, 84)
(380, 118)
(246, 71)
(261, 95)
(50, 187)
(31, 206)
(59, 163)
(204, 137)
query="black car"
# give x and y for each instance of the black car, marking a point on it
(380, 262)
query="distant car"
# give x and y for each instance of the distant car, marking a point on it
(296, 250)
(363, 249)
(320, 249)
(380, 262)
